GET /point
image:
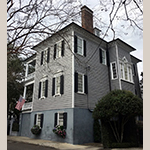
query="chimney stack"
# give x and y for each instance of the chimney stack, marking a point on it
(87, 18)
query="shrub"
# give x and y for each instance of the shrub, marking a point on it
(115, 110)
(36, 130)
(97, 131)
(60, 131)
(15, 126)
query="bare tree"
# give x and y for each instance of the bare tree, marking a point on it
(30, 21)
(113, 15)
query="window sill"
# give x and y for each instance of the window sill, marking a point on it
(82, 93)
(127, 81)
(42, 98)
(56, 95)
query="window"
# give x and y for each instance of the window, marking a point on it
(43, 88)
(45, 55)
(102, 56)
(126, 71)
(79, 46)
(113, 70)
(81, 85)
(58, 85)
(61, 119)
(59, 49)
(38, 119)
(29, 93)
(31, 67)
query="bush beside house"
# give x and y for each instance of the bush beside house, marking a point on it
(117, 111)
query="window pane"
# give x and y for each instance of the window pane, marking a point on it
(43, 88)
(38, 119)
(58, 52)
(80, 83)
(125, 71)
(103, 57)
(80, 46)
(121, 70)
(57, 85)
(114, 70)
(60, 119)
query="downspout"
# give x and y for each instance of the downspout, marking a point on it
(87, 69)
(108, 65)
(120, 87)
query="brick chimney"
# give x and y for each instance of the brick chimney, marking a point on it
(87, 18)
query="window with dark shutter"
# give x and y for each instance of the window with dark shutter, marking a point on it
(62, 48)
(53, 86)
(84, 48)
(75, 44)
(35, 116)
(46, 88)
(55, 47)
(39, 95)
(76, 82)
(42, 53)
(42, 118)
(48, 55)
(100, 55)
(85, 84)
(61, 84)
(65, 120)
(55, 119)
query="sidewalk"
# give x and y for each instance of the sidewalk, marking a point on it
(62, 146)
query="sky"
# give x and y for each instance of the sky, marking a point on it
(133, 38)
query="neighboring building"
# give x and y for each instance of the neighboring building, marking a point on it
(69, 73)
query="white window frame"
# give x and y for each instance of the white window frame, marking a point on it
(58, 49)
(83, 90)
(58, 75)
(38, 122)
(60, 120)
(43, 81)
(104, 57)
(124, 63)
(112, 71)
(82, 46)
(56, 85)
(45, 53)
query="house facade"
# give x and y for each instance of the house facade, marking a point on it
(70, 72)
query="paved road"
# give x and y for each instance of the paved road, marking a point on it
(12, 145)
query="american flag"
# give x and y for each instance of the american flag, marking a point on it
(20, 103)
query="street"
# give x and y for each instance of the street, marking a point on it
(12, 145)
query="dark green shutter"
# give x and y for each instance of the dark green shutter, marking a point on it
(76, 82)
(100, 55)
(55, 119)
(75, 44)
(84, 48)
(35, 118)
(42, 57)
(39, 95)
(62, 84)
(85, 84)
(55, 47)
(62, 48)
(48, 55)
(107, 58)
(46, 88)
(53, 86)
(42, 119)
(65, 120)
